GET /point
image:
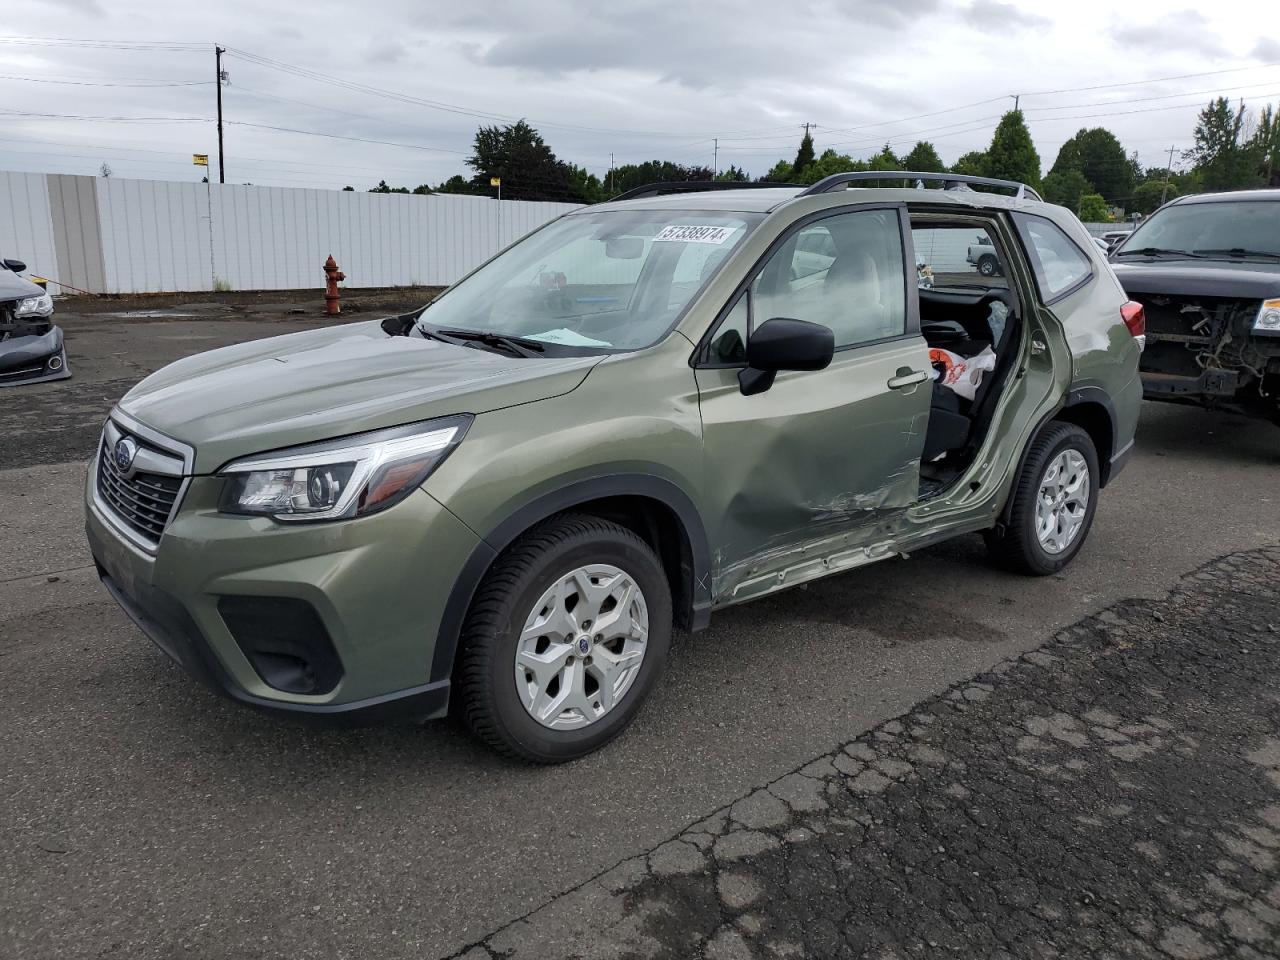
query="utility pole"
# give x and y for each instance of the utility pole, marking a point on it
(1017, 97)
(1168, 172)
(715, 157)
(220, 77)
(610, 171)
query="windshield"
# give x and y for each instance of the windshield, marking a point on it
(1216, 228)
(594, 282)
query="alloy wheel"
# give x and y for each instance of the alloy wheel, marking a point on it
(581, 647)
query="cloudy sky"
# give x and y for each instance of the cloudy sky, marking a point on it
(642, 79)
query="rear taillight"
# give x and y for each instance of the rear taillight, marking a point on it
(1135, 318)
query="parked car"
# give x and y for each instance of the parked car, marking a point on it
(31, 347)
(1112, 238)
(643, 412)
(1101, 244)
(983, 256)
(1207, 270)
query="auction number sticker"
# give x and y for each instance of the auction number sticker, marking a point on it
(694, 234)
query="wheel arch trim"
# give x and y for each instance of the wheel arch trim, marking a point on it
(1077, 398)
(574, 493)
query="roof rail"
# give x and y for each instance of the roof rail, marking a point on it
(691, 186)
(951, 181)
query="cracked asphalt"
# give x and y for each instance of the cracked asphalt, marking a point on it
(143, 817)
(1115, 793)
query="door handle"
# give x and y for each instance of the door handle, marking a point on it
(907, 378)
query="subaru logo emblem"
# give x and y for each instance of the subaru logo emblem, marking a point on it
(584, 645)
(124, 453)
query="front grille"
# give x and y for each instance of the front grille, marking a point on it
(143, 501)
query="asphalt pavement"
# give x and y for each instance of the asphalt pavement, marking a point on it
(142, 816)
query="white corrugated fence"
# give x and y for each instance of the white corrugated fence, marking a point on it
(111, 235)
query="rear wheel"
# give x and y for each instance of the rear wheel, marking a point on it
(565, 639)
(1053, 503)
(988, 266)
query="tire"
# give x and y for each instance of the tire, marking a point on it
(1021, 547)
(510, 602)
(988, 265)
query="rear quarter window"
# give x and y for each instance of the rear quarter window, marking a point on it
(1059, 265)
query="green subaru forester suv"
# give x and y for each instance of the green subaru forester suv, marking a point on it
(640, 413)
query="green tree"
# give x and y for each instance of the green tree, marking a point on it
(804, 156)
(830, 162)
(923, 158)
(1264, 146)
(734, 174)
(632, 175)
(1219, 156)
(886, 159)
(1098, 156)
(346, 189)
(585, 187)
(458, 184)
(1012, 155)
(1147, 194)
(780, 172)
(519, 156)
(1066, 187)
(422, 189)
(971, 164)
(1093, 209)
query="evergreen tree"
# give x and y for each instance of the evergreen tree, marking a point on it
(519, 156)
(1012, 155)
(780, 172)
(1066, 187)
(1264, 146)
(923, 158)
(886, 159)
(971, 164)
(1221, 160)
(1098, 156)
(804, 156)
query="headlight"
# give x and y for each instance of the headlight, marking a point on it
(343, 478)
(1268, 320)
(38, 306)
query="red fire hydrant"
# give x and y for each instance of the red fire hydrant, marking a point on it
(331, 277)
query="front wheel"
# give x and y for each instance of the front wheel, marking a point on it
(988, 266)
(1053, 503)
(564, 640)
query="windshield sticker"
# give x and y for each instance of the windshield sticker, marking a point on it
(692, 234)
(568, 337)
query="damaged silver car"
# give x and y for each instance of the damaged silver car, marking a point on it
(32, 349)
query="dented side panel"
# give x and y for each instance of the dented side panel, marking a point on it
(823, 463)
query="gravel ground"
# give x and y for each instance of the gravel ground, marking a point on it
(1114, 794)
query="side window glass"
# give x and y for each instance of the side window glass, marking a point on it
(729, 345)
(954, 255)
(845, 272)
(1057, 262)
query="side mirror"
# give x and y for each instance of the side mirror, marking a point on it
(17, 266)
(784, 344)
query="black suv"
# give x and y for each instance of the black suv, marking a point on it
(1207, 270)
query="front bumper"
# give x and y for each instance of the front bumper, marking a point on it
(33, 358)
(379, 585)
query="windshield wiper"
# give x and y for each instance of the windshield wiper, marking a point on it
(1239, 252)
(520, 346)
(1157, 252)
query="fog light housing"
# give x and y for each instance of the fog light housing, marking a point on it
(286, 642)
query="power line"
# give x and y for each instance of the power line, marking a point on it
(335, 136)
(1138, 83)
(103, 44)
(96, 83)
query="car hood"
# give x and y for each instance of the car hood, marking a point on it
(14, 287)
(1200, 278)
(321, 384)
